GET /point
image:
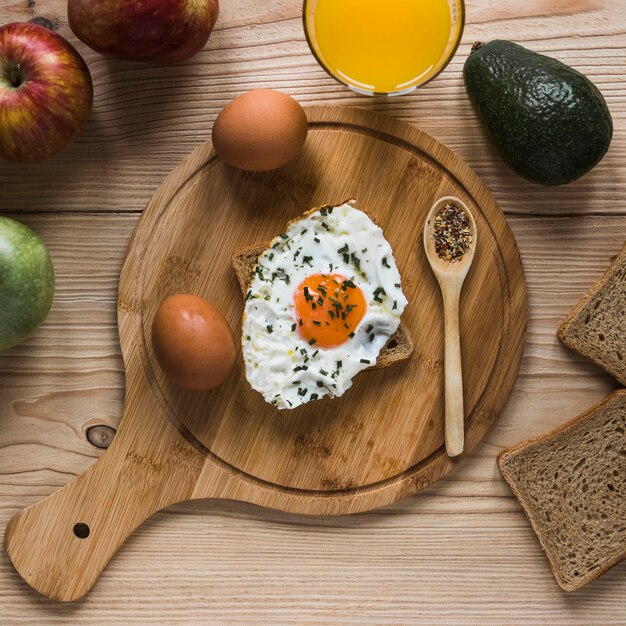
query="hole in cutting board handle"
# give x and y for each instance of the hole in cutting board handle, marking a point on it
(81, 530)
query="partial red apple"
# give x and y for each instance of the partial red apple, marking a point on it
(153, 31)
(46, 92)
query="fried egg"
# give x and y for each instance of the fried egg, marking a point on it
(325, 298)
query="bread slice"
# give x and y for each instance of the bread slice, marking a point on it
(398, 347)
(572, 485)
(596, 327)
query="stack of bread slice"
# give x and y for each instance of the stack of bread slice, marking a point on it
(572, 482)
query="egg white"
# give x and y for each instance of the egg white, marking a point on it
(280, 363)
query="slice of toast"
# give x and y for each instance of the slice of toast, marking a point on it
(596, 326)
(571, 484)
(398, 347)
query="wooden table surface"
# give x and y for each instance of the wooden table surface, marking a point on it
(461, 552)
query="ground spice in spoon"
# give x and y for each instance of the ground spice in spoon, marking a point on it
(452, 233)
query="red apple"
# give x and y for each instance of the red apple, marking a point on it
(153, 31)
(46, 92)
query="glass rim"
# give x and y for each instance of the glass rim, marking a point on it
(450, 56)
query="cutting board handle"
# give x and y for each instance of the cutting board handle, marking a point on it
(61, 544)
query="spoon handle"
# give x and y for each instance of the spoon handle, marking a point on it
(455, 425)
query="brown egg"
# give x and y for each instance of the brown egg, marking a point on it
(193, 342)
(260, 130)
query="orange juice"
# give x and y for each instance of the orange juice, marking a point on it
(383, 46)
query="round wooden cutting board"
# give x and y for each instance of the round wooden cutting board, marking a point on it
(383, 440)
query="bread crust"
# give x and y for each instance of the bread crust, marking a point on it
(502, 458)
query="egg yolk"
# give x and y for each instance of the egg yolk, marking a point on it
(328, 308)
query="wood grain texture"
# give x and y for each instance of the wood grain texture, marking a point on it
(381, 442)
(460, 552)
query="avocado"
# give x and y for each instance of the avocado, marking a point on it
(550, 123)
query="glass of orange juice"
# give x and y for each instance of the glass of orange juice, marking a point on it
(383, 46)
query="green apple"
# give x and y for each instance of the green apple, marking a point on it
(26, 282)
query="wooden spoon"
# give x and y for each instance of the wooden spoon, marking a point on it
(451, 277)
